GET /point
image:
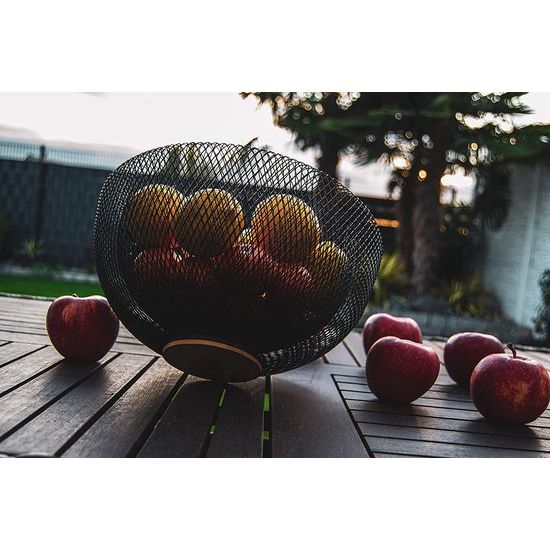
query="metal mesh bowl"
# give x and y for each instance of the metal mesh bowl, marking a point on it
(235, 246)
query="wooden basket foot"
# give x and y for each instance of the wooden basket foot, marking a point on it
(212, 360)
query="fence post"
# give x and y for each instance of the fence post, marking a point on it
(40, 195)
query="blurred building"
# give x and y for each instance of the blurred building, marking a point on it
(519, 252)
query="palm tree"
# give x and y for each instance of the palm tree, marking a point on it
(427, 135)
(302, 113)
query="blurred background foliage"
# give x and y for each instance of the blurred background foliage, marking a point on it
(468, 297)
(391, 281)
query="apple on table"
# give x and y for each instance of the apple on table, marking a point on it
(510, 388)
(400, 371)
(383, 324)
(82, 329)
(463, 351)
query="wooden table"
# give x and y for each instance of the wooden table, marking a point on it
(133, 403)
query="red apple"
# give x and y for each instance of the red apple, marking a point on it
(156, 267)
(246, 269)
(290, 278)
(465, 350)
(195, 275)
(84, 329)
(510, 388)
(290, 286)
(400, 371)
(382, 324)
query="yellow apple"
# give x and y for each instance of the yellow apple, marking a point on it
(151, 213)
(328, 267)
(208, 222)
(285, 227)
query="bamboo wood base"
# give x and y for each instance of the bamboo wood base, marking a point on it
(212, 360)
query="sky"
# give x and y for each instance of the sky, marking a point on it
(136, 122)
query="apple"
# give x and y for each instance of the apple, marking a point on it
(195, 275)
(329, 267)
(83, 329)
(286, 227)
(151, 212)
(400, 371)
(282, 308)
(290, 285)
(510, 388)
(246, 269)
(208, 223)
(463, 351)
(383, 324)
(156, 267)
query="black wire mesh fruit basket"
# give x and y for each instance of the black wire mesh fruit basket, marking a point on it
(233, 261)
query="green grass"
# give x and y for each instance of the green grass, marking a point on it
(39, 286)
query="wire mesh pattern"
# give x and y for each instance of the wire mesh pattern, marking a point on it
(238, 245)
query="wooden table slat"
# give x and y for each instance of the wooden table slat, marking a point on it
(478, 426)
(183, 430)
(240, 422)
(50, 430)
(22, 337)
(436, 344)
(42, 339)
(22, 308)
(456, 438)
(417, 410)
(444, 450)
(428, 401)
(30, 320)
(38, 320)
(309, 417)
(451, 393)
(14, 350)
(18, 371)
(118, 431)
(449, 388)
(340, 355)
(33, 397)
(18, 328)
(354, 342)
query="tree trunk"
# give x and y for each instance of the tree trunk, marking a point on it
(329, 144)
(426, 235)
(328, 159)
(405, 208)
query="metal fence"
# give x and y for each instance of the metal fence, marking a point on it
(27, 151)
(48, 197)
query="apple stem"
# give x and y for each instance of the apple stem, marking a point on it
(512, 348)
